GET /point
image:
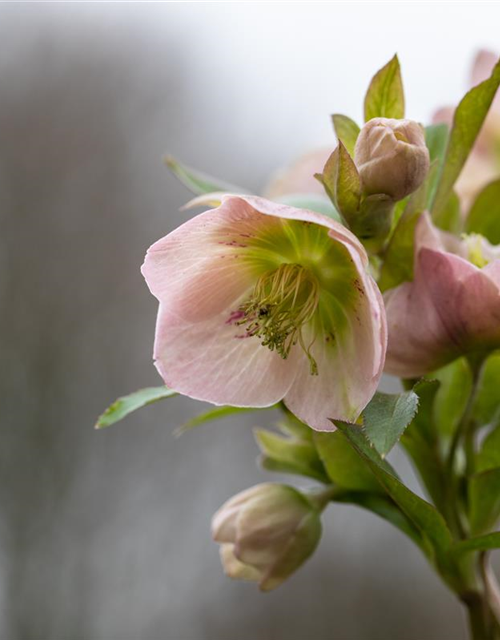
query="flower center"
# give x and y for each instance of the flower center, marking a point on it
(283, 301)
(475, 248)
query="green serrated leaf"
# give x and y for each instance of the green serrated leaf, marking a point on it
(386, 417)
(214, 413)
(343, 465)
(452, 395)
(347, 131)
(125, 405)
(484, 215)
(422, 514)
(385, 95)
(484, 500)
(198, 182)
(290, 455)
(467, 122)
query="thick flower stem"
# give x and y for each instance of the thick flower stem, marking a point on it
(479, 624)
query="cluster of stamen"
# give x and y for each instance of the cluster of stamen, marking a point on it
(284, 300)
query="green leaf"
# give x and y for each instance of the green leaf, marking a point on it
(484, 500)
(478, 543)
(488, 456)
(214, 413)
(422, 514)
(484, 215)
(290, 455)
(452, 396)
(384, 507)
(347, 131)
(449, 218)
(397, 266)
(312, 202)
(125, 405)
(290, 425)
(436, 139)
(342, 182)
(385, 96)
(467, 122)
(198, 182)
(417, 202)
(386, 417)
(343, 465)
(421, 444)
(486, 402)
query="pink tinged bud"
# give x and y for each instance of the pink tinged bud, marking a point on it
(391, 157)
(451, 308)
(261, 302)
(266, 533)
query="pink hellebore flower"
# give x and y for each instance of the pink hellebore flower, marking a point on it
(261, 302)
(483, 164)
(451, 308)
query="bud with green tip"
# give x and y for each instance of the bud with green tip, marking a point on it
(391, 157)
(266, 533)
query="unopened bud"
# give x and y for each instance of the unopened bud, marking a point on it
(391, 157)
(266, 533)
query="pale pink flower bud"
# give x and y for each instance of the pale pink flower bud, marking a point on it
(261, 302)
(451, 308)
(266, 533)
(391, 157)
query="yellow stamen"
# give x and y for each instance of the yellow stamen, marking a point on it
(283, 302)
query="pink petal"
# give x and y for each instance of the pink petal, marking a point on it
(350, 363)
(450, 308)
(215, 361)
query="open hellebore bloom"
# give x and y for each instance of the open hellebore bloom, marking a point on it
(451, 308)
(266, 533)
(391, 157)
(261, 302)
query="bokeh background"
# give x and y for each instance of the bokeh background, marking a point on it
(105, 535)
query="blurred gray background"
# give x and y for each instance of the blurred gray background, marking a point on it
(105, 535)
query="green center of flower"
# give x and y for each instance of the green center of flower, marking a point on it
(475, 247)
(283, 301)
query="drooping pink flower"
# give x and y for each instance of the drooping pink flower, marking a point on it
(452, 306)
(261, 302)
(483, 164)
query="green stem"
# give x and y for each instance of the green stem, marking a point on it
(464, 434)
